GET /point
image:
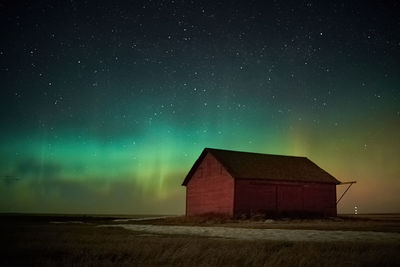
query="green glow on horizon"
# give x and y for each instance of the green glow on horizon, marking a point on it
(156, 163)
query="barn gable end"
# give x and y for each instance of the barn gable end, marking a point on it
(210, 189)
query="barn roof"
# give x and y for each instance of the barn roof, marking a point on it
(246, 165)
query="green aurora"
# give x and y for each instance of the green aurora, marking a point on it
(86, 174)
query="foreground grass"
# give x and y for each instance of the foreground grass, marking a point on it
(39, 243)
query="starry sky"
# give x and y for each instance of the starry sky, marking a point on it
(105, 105)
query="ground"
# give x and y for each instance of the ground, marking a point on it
(73, 240)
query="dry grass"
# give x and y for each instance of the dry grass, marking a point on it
(35, 242)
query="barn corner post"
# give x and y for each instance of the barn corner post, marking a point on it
(234, 199)
(186, 201)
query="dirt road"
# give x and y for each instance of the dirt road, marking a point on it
(265, 234)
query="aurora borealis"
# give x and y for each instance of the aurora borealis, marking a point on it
(105, 105)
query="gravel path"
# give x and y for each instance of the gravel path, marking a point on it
(264, 234)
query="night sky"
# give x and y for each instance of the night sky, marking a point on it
(105, 105)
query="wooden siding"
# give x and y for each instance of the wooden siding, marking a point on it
(210, 190)
(253, 196)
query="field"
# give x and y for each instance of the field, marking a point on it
(78, 241)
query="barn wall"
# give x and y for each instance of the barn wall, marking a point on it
(210, 190)
(253, 196)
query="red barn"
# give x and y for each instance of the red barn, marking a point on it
(234, 183)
